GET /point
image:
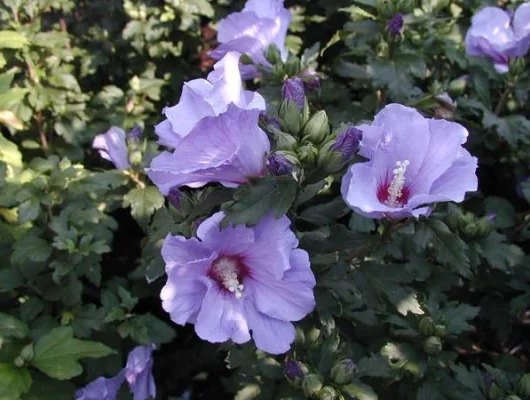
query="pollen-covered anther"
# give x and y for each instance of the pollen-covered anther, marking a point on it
(395, 190)
(226, 271)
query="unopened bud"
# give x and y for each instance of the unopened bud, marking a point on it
(426, 326)
(307, 154)
(458, 86)
(432, 345)
(495, 392)
(524, 385)
(135, 133)
(290, 116)
(27, 352)
(293, 372)
(386, 8)
(273, 54)
(470, 230)
(293, 90)
(485, 225)
(327, 393)
(440, 330)
(317, 128)
(292, 66)
(175, 197)
(406, 6)
(334, 155)
(311, 385)
(517, 66)
(395, 24)
(342, 372)
(278, 164)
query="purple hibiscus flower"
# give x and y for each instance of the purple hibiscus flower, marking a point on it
(251, 31)
(495, 34)
(207, 98)
(101, 388)
(414, 161)
(137, 373)
(236, 280)
(112, 146)
(228, 149)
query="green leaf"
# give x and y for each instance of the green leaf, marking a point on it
(456, 318)
(396, 74)
(324, 214)
(13, 381)
(12, 97)
(450, 249)
(157, 330)
(58, 352)
(359, 391)
(45, 388)
(28, 210)
(9, 152)
(143, 201)
(32, 248)
(10, 326)
(262, 196)
(12, 40)
(405, 357)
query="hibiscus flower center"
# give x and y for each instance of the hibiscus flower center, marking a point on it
(395, 194)
(229, 272)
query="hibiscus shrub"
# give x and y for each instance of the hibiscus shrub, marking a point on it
(254, 199)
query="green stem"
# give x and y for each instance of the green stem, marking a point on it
(502, 100)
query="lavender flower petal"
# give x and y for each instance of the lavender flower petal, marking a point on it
(414, 162)
(251, 31)
(227, 149)
(111, 146)
(239, 280)
(138, 373)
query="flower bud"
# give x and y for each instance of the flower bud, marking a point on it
(426, 326)
(440, 330)
(19, 362)
(406, 6)
(317, 128)
(432, 345)
(27, 352)
(290, 116)
(308, 154)
(175, 197)
(470, 230)
(395, 24)
(292, 66)
(452, 221)
(517, 66)
(293, 372)
(293, 90)
(279, 164)
(386, 8)
(311, 385)
(495, 392)
(311, 79)
(485, 225)
(524, 385)
(135, 133)
(342, 372)
(336, 153)
(458, 86)
(273, 54)
(327, 393)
